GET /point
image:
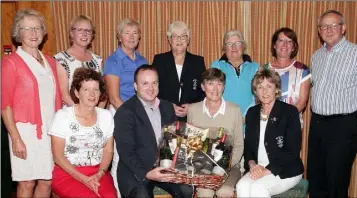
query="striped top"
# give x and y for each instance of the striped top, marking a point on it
(334, 79)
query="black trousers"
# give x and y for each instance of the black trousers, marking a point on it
(332, 150)
(145, 190)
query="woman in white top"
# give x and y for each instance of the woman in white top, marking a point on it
(272, 141)
(82, 141)
(295, 76)
(81, 35)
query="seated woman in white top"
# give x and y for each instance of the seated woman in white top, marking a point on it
(272, 141)
(82, 141)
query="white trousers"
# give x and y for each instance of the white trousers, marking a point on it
(113, 171)
(115, 161)
(266, 186)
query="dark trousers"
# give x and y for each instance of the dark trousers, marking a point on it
(145, 190)
(332, 150)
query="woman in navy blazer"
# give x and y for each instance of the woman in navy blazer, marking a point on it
(272, 141)
(179, 71)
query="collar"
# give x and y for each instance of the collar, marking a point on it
(337, 46)
(121, 54)
(221, 110)
(147, 105)
(246, 58)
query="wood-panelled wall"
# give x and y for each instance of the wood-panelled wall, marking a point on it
(8, 11)
(208, 22)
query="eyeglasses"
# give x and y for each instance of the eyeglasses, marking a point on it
(177, 37)
(282, 41)
(83, 30)
(28, 29)
(237, 43)
(332, 26)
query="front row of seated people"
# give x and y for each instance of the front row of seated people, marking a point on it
(85, 133)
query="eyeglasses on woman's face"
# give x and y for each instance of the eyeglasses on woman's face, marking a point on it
(237, 44)
(83, 30)
(28, 29)
(176, 37)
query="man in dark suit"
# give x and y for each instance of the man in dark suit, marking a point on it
(180, 71)
(137, 133)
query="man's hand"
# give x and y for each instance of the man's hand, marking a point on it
(157, 175)
(181, 111)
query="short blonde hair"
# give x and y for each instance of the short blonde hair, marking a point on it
(75, 20)
(20, 15)
(271, 76)
(178, 25)
(231, 33)
(127, 22)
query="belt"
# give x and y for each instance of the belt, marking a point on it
(335, 115)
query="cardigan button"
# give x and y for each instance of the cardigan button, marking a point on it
(181, 84)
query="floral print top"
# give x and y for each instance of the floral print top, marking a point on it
(83, 145)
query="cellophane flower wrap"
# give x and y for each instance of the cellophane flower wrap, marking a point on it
(199, 156)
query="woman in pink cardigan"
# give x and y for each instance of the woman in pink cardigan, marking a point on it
(29, 99)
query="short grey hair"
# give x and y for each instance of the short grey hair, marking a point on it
(178, 25)
(331, 12)
(20, 15)
(231, 33)
(127, 22)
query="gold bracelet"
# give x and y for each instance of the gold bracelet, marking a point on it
(102, 169)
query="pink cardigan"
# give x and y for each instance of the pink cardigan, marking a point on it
(19, 90)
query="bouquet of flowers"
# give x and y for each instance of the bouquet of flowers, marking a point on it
(197, 156)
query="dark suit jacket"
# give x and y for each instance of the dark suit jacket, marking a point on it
(282, 139)
(190, 81)
(136, 142)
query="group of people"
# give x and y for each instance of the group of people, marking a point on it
(71, 117)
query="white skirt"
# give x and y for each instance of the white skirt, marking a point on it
(39, 162)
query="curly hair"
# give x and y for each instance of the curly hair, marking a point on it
(83, 74)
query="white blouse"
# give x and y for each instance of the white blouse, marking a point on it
(83, 145)
(262, 153)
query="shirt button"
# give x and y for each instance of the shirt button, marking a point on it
(266, 143)
(181, 84)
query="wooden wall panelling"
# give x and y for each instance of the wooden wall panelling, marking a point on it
(9, 9)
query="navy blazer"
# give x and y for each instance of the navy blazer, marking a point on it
(282, 139)
(136, 142)
(190, 80)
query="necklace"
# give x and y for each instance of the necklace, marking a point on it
(262, 116)
(40, 60)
